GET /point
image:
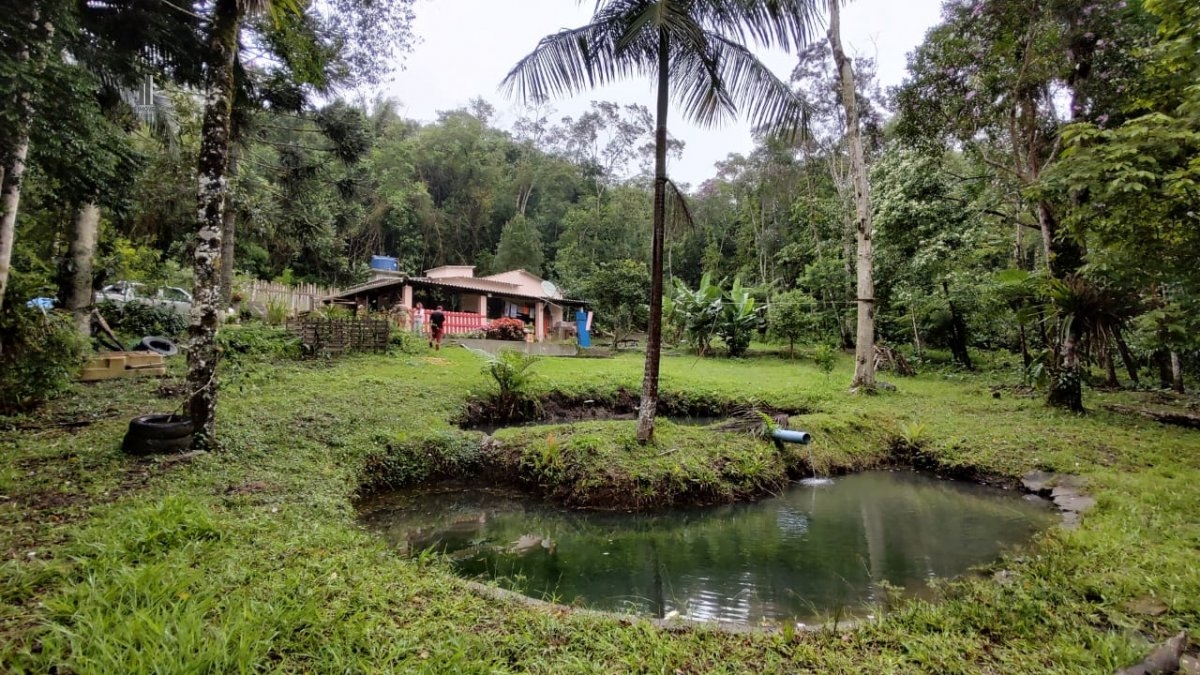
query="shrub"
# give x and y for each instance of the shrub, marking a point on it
(277, 312)
(142, 318)
(257, 342)
(825, 357)
(405, 342)
(40, 355)
(506, 329)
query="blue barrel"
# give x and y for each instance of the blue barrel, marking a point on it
(382, 262)
(581, 330)
(792, 436)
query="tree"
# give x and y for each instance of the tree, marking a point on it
(617, 291)
(26, 44)
(790, 316)
(351, 39)
(864, 344)
(520, 247)
(698, 45)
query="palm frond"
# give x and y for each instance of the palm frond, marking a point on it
(717, 78)
(770, 23)
(568, 62)
(679, 212)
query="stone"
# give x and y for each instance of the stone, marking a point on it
(1038, 481)
(1069, 500)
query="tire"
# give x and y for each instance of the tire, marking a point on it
(135, 445)
(158, 345)
(160, 426)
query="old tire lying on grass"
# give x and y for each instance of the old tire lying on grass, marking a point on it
(158, 345)
(158, 433)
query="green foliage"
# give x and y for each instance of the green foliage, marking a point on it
(277, 312)
(520, 247)
(506, 328)
(405, 342)
(140, 319)
(257, 342)
(791, 317)
(710, 312)
(739, 319)
(40, 356)
(618, 291)
(510, 370)
(698, 312)
(825, 356)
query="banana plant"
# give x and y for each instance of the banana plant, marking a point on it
(739, 319)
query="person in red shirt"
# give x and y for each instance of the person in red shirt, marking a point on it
(437, 322)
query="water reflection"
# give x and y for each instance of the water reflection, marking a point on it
(816, 550)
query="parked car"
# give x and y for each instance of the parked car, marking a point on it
(131, 291)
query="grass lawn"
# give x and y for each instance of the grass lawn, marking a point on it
(250, 560)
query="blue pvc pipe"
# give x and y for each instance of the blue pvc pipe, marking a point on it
(792, 436)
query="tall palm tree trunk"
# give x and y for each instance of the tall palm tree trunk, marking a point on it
(81, 251)
(649, 403)
(864, 345)
(214, 156)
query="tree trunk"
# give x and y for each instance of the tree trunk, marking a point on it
(214, 154)
(1026, 359)
(958, 332)
(1163, 361)
(917, 344)
(82, 250)
(10, 201)
(228, 235)
(1176, 372)
(14, 163)
(649, 404)
(1110, 368)
(1065, 388)
(864, 346)
(1127, 357)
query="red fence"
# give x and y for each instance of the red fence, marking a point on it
(463, 322)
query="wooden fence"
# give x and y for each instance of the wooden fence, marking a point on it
(335, 336)
(298, 298)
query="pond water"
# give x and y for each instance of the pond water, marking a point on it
(818, 550)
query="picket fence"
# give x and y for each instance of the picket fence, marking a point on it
(298, 298)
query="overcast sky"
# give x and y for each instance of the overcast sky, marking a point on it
(467, 46)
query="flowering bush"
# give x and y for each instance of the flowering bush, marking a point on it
(506, 329)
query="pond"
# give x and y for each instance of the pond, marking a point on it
(819, 550)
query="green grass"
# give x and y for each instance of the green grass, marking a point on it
(250, 560)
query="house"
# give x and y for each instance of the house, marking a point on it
(470, 302)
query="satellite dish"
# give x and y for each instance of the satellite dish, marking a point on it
(550, 289)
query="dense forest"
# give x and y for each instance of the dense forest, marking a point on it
(1033, 181)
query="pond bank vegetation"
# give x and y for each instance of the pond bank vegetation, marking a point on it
(253, 556)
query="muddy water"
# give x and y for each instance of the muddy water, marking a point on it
(816, 551)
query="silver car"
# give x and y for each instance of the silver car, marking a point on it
(131, 291)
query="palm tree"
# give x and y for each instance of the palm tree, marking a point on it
(699, 46)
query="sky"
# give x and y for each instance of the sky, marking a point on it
(466, 48)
